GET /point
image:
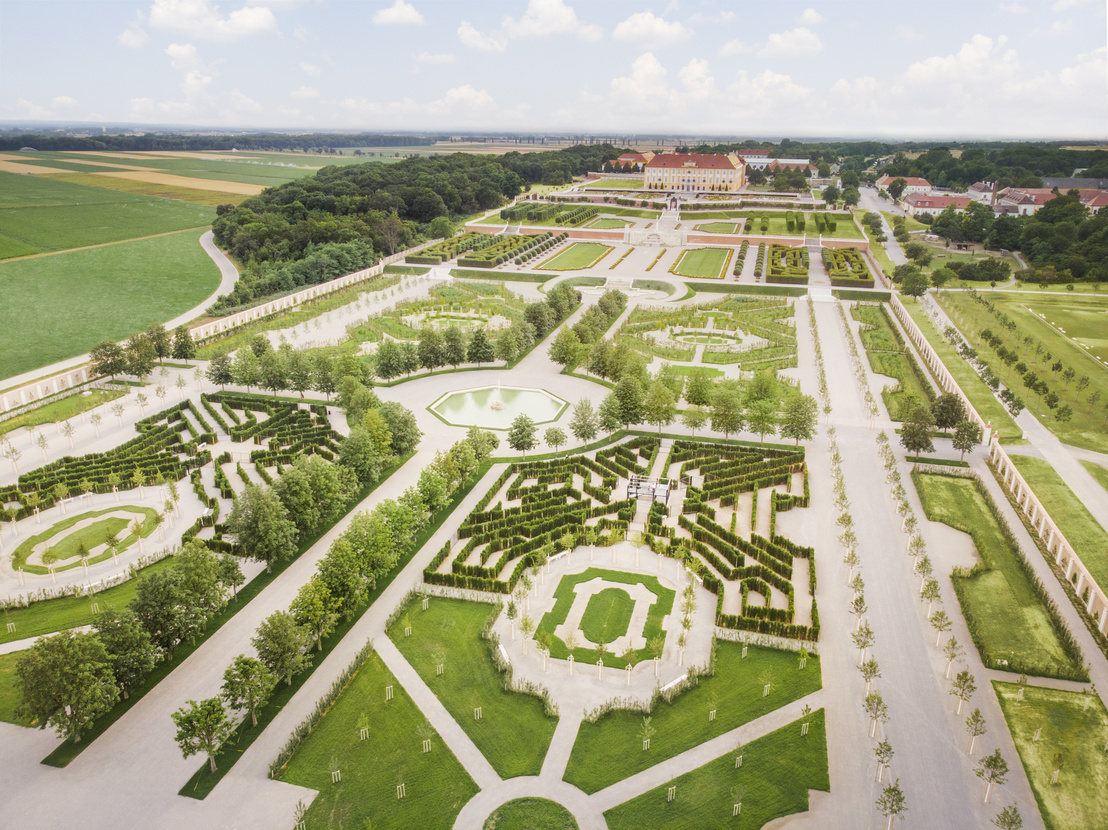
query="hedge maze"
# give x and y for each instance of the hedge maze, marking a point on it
(787, 264)
(541, 508)
(847, 268)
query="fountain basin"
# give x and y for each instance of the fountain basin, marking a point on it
(495, 407)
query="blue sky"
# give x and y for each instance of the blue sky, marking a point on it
(972, 68)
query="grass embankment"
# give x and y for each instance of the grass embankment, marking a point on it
(62, 409)
(1071, 329)
(1005, 612)
(436, 786)
(1097, 471)
(889, 356)
(611, 749)
(979, 394)
(1077, 524)
(122, 289)
(778, 771)
(530, 814)
(514, 732)
(1074, 724)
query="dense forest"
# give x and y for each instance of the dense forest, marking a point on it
(175, 141)
(346, 217)
(1013, 165)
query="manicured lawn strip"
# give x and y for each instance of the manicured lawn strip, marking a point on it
(979, 394)
(10, 695)
(1082, 318)
(611, 749)
(204, 780)
(514, 732)
(436, 785)
(614, 184)
(703, 263)
(777, 772)
(732, 288)
(1075, 521)
(717, 227)
(564, 596)
(879, 253)
(577, 256)
(62, 409)
(50, 615)
(485, 276)
(92, 536)
(65, 753)
(910, 224)
(608, 224)
(1097, 471)
(122, 289)
(1074, 724)
(606, 615)
(530, 814)
(1006, 617)
(888, 357)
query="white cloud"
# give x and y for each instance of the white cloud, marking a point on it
(428, 59)
(1013, 8)
(304, 93)
(63, 102)
(770, 97)
(734, 47)
(399, 13)
(464, 98)
(906, 33)
(183, 56)
(697, 78)
(1060, 27)
(134, 36)
(203, 21)
(549, 17)
(798, 41)
(809, 17)
(241, 102)
(310, 69)
(196, 83)
(645, 88)
(471, 37)
(645, 28)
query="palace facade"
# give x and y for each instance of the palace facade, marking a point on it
(694, 173)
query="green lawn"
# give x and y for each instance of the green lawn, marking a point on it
(878, 251)
(999, 601)
(614, 184)
(62, 409)
(703, 263)
(246, 169)
(1074, 724)
(577, 256)
(10, 695)
(888, 357)
(606, 615)
(910, 224)
(48, 314)
(514, 732)
(94, 535)
(530, 814)
(611, 749)
(1097, 471)
(979, 394)
(1077, 524)
(436, 786)
(778, 771)
(1081, 347)
(49, 615)
(607, 224)
(717, 227)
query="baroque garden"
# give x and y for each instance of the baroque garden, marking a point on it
(638, 502)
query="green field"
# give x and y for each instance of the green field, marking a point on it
(62, 305)
(242, 168)
(979, 394)
(606, 616)
(717, 227)
(611, 749)
(702, 263)
(778, 771)
(1098, 472)
(1074, 724)
(577, 256)
(614, 184)
(1072, 329)
(887, 357)
(514, 732)
(10, 695)
(1077, 524)
(530, 814)
(1004, 613)
(608, 224)
(159, 191)
(436, 785)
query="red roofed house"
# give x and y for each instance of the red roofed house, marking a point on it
(788, 164)
(694, 172)
(917, 203)
(1096, 203)
(636, 160)
(913, 184)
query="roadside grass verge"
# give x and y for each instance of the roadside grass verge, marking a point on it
(610, 749)
(514, 732)
(1097, 471)
(778, 771)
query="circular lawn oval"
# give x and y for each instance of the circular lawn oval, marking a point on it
(607, 615)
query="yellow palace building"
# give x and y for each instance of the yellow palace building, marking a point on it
(695, 172)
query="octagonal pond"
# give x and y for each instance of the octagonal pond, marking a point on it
(495, 407)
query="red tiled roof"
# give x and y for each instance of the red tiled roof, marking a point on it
(918, 200)
(909, 181)
(699, 160)
(776, 165)
(634, 158)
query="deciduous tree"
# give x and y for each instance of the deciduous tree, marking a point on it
(202, 727)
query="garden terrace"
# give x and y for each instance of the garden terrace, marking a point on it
(440, 252)
(540, 507)
(502, 250)
(847, 268)
(703, 263)
(577, 256)
(786, 264)
(888, 355)
(160, 449)
(716, 478)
